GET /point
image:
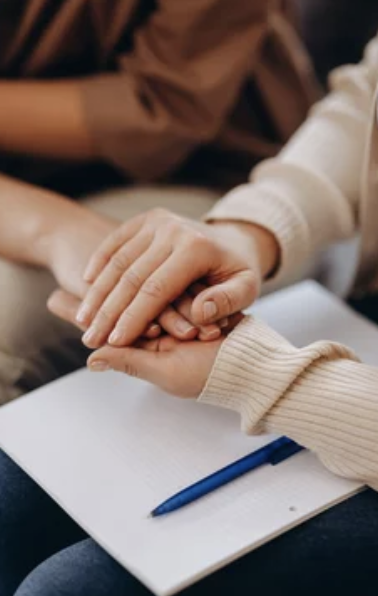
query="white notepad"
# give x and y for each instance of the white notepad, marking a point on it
(109, 448)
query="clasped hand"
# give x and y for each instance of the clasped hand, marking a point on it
(157, 273)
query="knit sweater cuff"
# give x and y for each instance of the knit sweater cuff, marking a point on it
(255, 368)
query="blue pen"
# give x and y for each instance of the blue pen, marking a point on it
(273, 453)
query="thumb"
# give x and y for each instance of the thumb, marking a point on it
(144, 363)
(64, 305)
(226, 298)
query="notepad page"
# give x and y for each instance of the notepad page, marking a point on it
(109, 449)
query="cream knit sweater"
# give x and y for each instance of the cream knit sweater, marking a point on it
(309, 196)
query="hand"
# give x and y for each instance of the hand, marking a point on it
(69, 248)
(180, 368)
(174, 320)
(151, 260)
(68, 251)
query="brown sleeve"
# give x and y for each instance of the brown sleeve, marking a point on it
(175, 89)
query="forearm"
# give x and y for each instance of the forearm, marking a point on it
(332, 409)
(44, 119)
(308, 197)
(30, 216)
(318, 395)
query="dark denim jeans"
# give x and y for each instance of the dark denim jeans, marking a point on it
(44, 553)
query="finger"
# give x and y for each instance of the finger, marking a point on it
(207, 332)
(146, 364)
(110, 245)
(174, 323)
(165, 285)
(165, 343)
(153, 331)
(65, 306)
(120, 262)
(225, 299)
(127, 288)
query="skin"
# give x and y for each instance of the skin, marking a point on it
(177, 367)
(43, 229)
(149, 261)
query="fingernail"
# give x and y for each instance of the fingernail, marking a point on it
(87, 275)
(116, 337)
(90, 337)
(82, 314)
(223, 323)
(98, 365)
(184, 327)
(210, 334)
(153, 332)
(209, 310)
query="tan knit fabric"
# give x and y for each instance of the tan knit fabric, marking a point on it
(323, 187)
(320, 396)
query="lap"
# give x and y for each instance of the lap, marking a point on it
(332, 553)
(81, 570)
(127, 202)
(32, 526)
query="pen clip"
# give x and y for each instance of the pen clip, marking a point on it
(284, 452)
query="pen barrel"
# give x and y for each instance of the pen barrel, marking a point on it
(235, 470)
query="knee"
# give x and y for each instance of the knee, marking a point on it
(23, 295)
(80, 570)
(19, 496)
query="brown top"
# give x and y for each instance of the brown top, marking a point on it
(161, 79)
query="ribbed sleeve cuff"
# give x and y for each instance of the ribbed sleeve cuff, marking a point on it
(256, 366)
(332, 409)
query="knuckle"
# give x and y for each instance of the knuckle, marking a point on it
(226, 301)
(169, 223)
(99, 260)
(171, 228)
(104, 316)
(251, 283)
(114, 238)
(129, 369)
(127, 318)
(132, 279)
(198, 241)
(119, 233)
(168, 317)
(153, 288)
(119, 262)
(157, 213)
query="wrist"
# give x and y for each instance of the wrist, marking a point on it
(57, 227)
(256, 242)
(27, 219)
